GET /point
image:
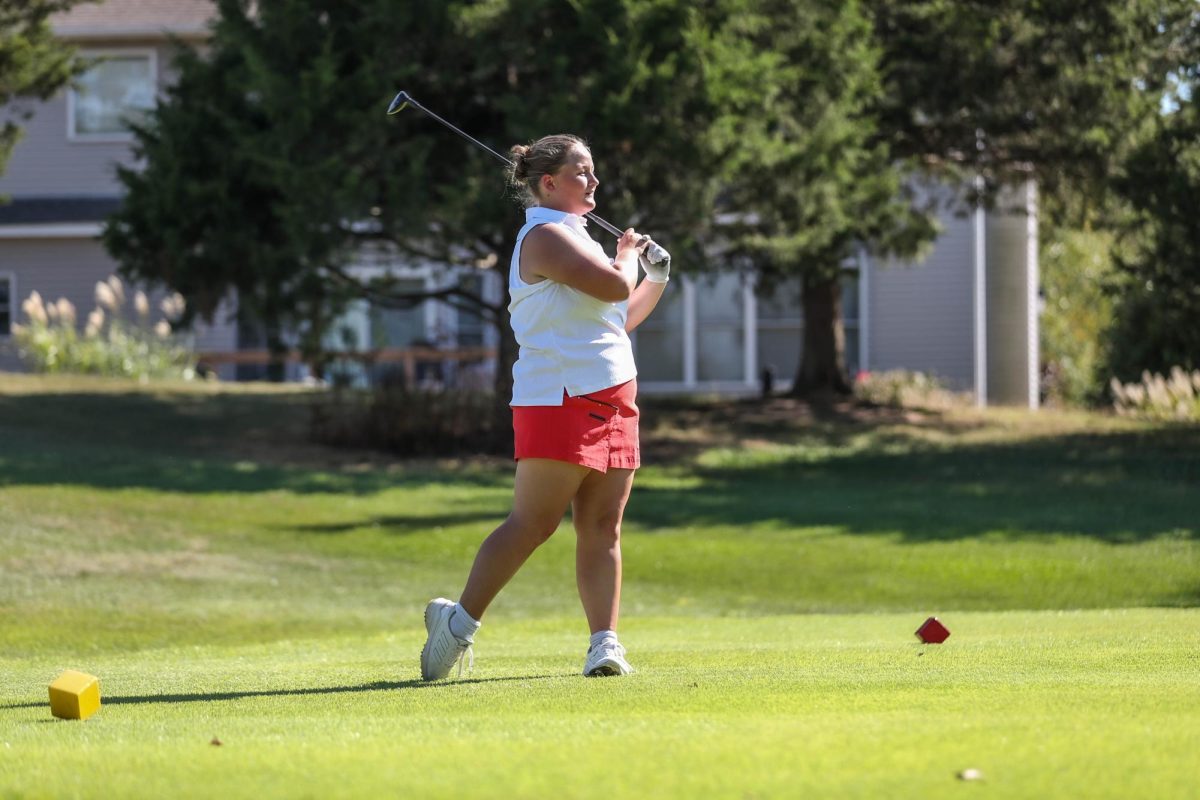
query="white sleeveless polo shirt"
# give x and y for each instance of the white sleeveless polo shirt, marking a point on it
(568, 340)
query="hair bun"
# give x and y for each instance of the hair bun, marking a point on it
(520, 168)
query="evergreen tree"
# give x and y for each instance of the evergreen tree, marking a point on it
(808, 178)
(1158, 299)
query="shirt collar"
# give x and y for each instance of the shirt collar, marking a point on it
(540, 214)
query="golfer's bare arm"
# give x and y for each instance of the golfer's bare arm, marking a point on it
(643, 300)
(551, 251)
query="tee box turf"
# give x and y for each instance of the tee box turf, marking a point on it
(74, 695)
(932, 631)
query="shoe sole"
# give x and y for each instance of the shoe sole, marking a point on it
(430, 608)
(606, 670)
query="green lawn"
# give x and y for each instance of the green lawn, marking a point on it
(226, 579)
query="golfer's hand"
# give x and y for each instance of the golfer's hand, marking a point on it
(656, 263)
(633, 241)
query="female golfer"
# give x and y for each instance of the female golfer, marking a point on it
(574, 417)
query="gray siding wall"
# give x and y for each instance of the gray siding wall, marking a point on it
(46, 163)
(70, 268)
(921, 314)
(1010, 333)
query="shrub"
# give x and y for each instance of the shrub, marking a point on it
(109, 344)
(1176, 397)
(904, 389)
(410, 420)
(1078, 314)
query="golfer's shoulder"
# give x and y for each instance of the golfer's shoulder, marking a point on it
(551, 239)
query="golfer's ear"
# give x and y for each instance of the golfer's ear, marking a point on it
(547, 183)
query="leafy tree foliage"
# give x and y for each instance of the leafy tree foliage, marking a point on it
(1010, 89)
(1159, 300)
(33, 64)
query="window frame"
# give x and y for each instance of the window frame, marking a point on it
(100, 54)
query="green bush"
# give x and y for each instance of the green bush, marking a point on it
(109, 344)
(902, 388)
(1176, 397)
(410, 420)
(1077, 316)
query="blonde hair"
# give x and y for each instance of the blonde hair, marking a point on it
(543, 157)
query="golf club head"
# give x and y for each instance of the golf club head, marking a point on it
(399, 103)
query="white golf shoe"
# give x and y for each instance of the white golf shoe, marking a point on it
(442, 648)
(606, 658)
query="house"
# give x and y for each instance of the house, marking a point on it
(61, 179)
(966, 313)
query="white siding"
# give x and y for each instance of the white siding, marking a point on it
(921, 314)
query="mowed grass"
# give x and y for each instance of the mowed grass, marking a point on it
(226, 579)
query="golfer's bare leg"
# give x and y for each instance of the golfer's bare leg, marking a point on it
(598, 509)
(541, 494)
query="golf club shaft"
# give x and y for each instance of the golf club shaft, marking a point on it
(408, 100)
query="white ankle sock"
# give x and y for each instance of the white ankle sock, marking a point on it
(600, 636)
(462, 624)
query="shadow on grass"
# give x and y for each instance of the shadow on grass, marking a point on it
(1119, 486)
(377, 686)
(1116, 487)
(196, 442)
(400, 525)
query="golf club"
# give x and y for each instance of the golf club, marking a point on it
(403, 100)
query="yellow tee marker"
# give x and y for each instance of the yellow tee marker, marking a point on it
(74, 695)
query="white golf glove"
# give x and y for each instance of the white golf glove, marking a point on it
(656, 263)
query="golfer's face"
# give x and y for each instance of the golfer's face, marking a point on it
(575, 182)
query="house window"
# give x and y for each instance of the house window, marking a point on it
(6, 304)
(116, 88)
(720, 329)
(851, 319)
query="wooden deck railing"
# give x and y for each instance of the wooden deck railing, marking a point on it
(409, 357)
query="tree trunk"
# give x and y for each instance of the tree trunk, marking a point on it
(276, 352)
(823, 360)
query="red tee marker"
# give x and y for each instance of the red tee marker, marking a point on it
(932, 631)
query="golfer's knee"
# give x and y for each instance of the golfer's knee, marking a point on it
(534, 530)
(602, 530)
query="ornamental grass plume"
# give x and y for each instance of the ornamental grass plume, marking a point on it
(141, 304)
(1175, 397)
(95, 322)
(66, 311)
(106, 298)
(35, 309)
(118, 289)
(173, 306)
